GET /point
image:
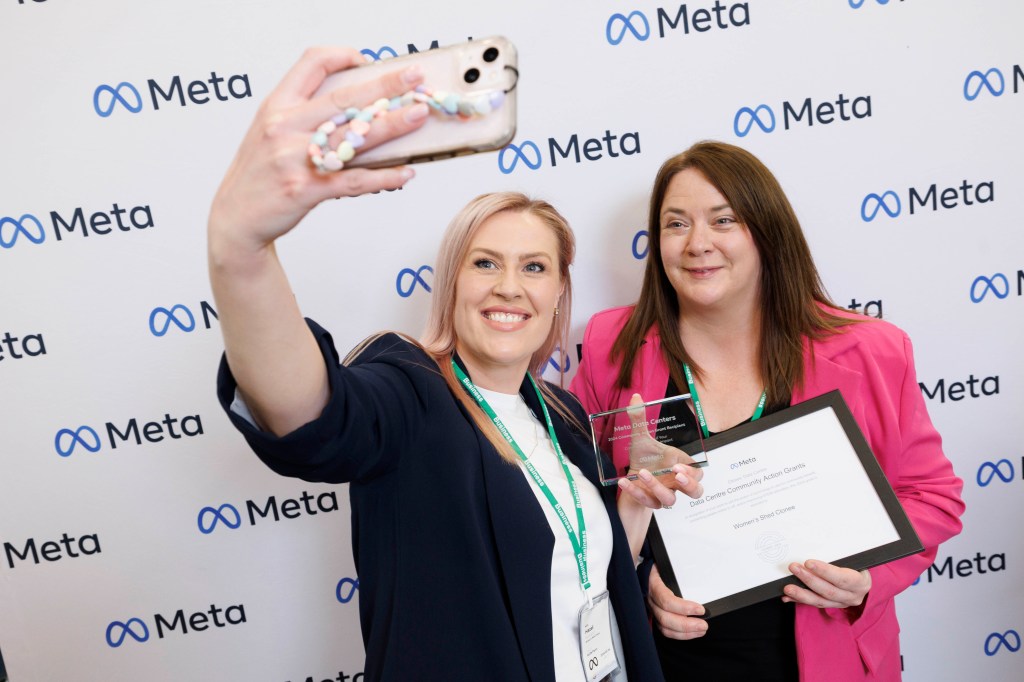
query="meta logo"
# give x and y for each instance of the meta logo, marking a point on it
(973, 387)
(593, 149)
(19, 348)
(871, 308)
(346, 589)
(743, 462)
(408, 279)
(824, 113)
(53, 550)
(341, 677)
(200, 621)
(641, 244)
(227, 514)
(997, 284)
(965, 568)
(934, 197)
(990, 82)
(107, 98)
(179, 317)
(1001, 470)
(857, 4)
(559, 362)
(635, 23)
(67, 440)
(1009, 640)
(386, 51)
(30, 229)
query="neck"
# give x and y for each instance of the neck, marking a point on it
(712, 336)
(500, 379)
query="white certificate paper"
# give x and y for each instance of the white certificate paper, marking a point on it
(800, 486)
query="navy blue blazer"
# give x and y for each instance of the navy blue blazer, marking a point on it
(452, 550)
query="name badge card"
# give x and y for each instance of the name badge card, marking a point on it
(597, 649)
(798, 484)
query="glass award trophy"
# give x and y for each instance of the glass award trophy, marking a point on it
(655, 436)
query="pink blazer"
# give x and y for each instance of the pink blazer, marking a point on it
(872, 365)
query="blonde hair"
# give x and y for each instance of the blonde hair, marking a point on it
(439, 337)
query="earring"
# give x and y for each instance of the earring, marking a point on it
(556, 311)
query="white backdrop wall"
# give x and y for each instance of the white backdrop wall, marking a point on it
(127, 499)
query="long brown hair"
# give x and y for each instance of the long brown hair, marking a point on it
(439, 337)
(790, 288)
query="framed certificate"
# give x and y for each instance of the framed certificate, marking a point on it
(798, 484)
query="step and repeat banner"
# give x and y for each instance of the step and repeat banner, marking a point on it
(141, 540)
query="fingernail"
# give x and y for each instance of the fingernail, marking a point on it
(646, 475)
(407, 174)
(683, 480)
(412, 75)
(811, 566)
(416, 112)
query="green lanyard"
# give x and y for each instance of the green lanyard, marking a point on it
(579, 545)
(700, 410)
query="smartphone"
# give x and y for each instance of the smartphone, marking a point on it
(478, 68)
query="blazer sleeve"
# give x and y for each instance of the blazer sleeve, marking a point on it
(376, 407)
(924, 482)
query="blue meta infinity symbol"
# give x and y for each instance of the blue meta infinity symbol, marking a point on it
(417, 278)
(65, 448)
(878, 203)
(645, 237)
(346, 589)
(1010, 639)
(126, 629)
(518, 152)
(115, 97)
(552, 362)
(382, 53)
(218, 515)
(37, 236)
(983, 80)
(627, 25)
(989, 284)
(754, 117)
(857, 4)
(1003, 469)
(186, 323)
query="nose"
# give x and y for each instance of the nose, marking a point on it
(699, 240)
(508, 285)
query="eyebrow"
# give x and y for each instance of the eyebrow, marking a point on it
(679, 211)
(525, 256)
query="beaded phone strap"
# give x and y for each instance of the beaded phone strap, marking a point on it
(359, 121)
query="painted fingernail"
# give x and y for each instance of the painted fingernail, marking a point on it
(416, 112)
(414, 74)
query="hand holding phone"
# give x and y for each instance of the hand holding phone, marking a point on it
(470, 88)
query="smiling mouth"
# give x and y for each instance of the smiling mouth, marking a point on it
(701, 271)
(505, 317)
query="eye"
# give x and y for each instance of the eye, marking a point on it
(535, 267)
(675, 225)
(484, 264)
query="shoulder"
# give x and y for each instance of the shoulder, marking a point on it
(606, 325)
(868, 336)
(387, 347)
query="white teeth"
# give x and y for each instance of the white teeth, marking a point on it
(505, 317)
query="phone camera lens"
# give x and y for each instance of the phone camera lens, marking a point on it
(472, 75)
(490, 54)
